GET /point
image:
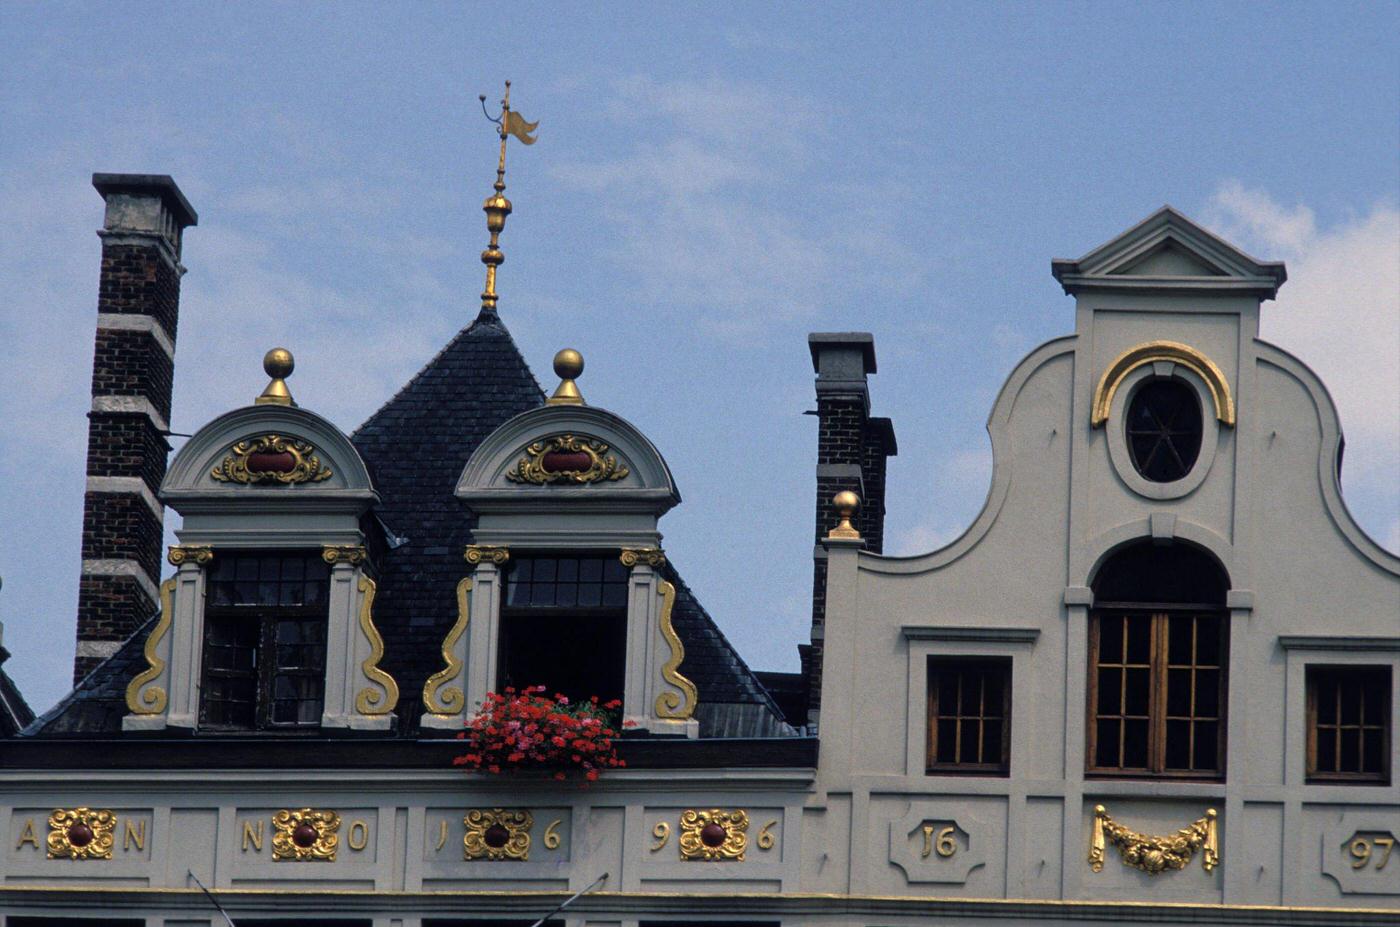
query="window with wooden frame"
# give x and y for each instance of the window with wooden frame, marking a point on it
(1158, 648)
(1349, 724)
(969, 716)
(564, 625)
(265, 621)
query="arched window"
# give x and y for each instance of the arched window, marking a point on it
(1158, 645)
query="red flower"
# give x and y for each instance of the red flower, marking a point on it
(527, 729)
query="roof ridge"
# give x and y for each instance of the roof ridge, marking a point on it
(485, 319)
(41, 721)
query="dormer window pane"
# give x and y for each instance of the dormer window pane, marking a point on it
(265, 642)
(564, 625)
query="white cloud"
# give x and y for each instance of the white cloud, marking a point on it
(1340, 313)
(723, 208)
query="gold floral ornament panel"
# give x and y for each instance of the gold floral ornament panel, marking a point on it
(497, 834)
(271, 459)
(714, 835)
(81, 833)
(305, 835)
(567, 459)
(1153, 854)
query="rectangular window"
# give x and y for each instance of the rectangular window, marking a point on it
(564, 626)
(264, 642)
(1349, 724)
(969, 716)
(1157, 693)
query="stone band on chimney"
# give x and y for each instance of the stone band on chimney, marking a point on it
(138, 306)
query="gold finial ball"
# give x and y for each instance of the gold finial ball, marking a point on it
(568, 364)
(846, 502)
(278, 363)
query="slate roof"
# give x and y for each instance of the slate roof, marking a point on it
(416, 446)
(14, 710)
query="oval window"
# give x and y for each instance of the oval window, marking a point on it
(1164, 429)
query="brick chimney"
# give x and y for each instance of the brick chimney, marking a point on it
(138, 306)
(852, 449)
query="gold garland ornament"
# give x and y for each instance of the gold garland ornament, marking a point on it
(305, 835)
(497, 834)
(714, 835)
(1152, 854)
(81, 833)
(271, 459)
(566, 459)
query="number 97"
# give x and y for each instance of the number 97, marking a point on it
(1360, 850)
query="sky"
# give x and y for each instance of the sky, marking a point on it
(711, 183)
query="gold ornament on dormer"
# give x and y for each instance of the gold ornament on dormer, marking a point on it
(271, 459)
(497, 207)
(567, 459)
(568, 367)
(277, 364)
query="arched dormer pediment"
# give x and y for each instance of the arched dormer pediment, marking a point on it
(568, 458)
(278, 457)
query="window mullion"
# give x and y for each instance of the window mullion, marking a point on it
(1157, 696)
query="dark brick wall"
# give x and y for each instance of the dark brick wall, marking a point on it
(132, 363)
(121, 526)
(845, 435)
(126, 444)
(136, 280)
(110, 608)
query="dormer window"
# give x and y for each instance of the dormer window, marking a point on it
(1164, 429)
(564, 625)
(265, 622)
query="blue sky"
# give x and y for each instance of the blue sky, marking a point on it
(711, 183)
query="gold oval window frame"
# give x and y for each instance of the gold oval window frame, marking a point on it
(1150, 352)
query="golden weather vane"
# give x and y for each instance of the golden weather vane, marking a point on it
(497, 207)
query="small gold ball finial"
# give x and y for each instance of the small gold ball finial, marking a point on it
(846, 503)
(568, 365)
(277, 364)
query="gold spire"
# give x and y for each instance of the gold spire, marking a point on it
(568, 366)
(278, 364)
(497, 207)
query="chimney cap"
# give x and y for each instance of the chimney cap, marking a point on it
(161, 185)
(819, 341)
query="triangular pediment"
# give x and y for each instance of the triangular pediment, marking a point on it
(1167, 251)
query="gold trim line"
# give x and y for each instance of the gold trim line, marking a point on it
(1149, 352)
